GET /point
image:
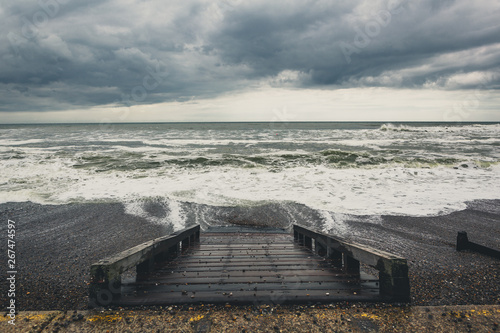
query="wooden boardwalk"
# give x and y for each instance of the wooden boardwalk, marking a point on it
(247, 266)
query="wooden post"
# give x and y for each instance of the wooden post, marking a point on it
(174, 250)
(393, 279)
(462, 241)
(184, 244)
(320, 249)
(308, 242)
(145, 266)
(351, 265)
(105, 286)
(301, 239)
(335, 257)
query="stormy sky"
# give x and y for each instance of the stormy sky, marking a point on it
(231, 60)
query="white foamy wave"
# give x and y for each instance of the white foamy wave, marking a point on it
(5, 142)
(158, 210)
(401, 190)
(397, 128)
(487, 129)
(430, 170)
(335, 223)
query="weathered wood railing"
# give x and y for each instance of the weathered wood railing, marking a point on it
(105, 284)
(393, 270)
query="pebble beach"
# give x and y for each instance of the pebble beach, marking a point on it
(56, 244)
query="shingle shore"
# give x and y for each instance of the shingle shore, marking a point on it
(55, 245)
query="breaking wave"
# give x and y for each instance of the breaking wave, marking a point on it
(245, 173)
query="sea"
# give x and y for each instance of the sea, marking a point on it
(266, 173)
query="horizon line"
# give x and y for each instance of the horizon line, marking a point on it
(258, 122)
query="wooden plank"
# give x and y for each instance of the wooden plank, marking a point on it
(276, 252)
(238, 268)
(252, 230)
(238, 245)
(330, 287)
(297, 256)
(244, 242)
(265, 278)
(246, 297)
(152, 285)
(229, 242)
(261, 251)
(302, 272)
(187, 262)
(262, 272)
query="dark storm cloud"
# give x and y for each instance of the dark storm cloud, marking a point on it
(337, 46)
(59, 54)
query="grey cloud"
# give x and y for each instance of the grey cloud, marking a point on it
(414, 35)
(144, 52)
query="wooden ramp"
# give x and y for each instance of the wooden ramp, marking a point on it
(247, 266)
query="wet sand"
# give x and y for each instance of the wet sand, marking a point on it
(55, 246)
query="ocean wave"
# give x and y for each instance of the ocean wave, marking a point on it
(407, 169)
(176, 214)
(5, 142)
(395, 190)
(331, 158)
(443, 127)
(397, 128)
